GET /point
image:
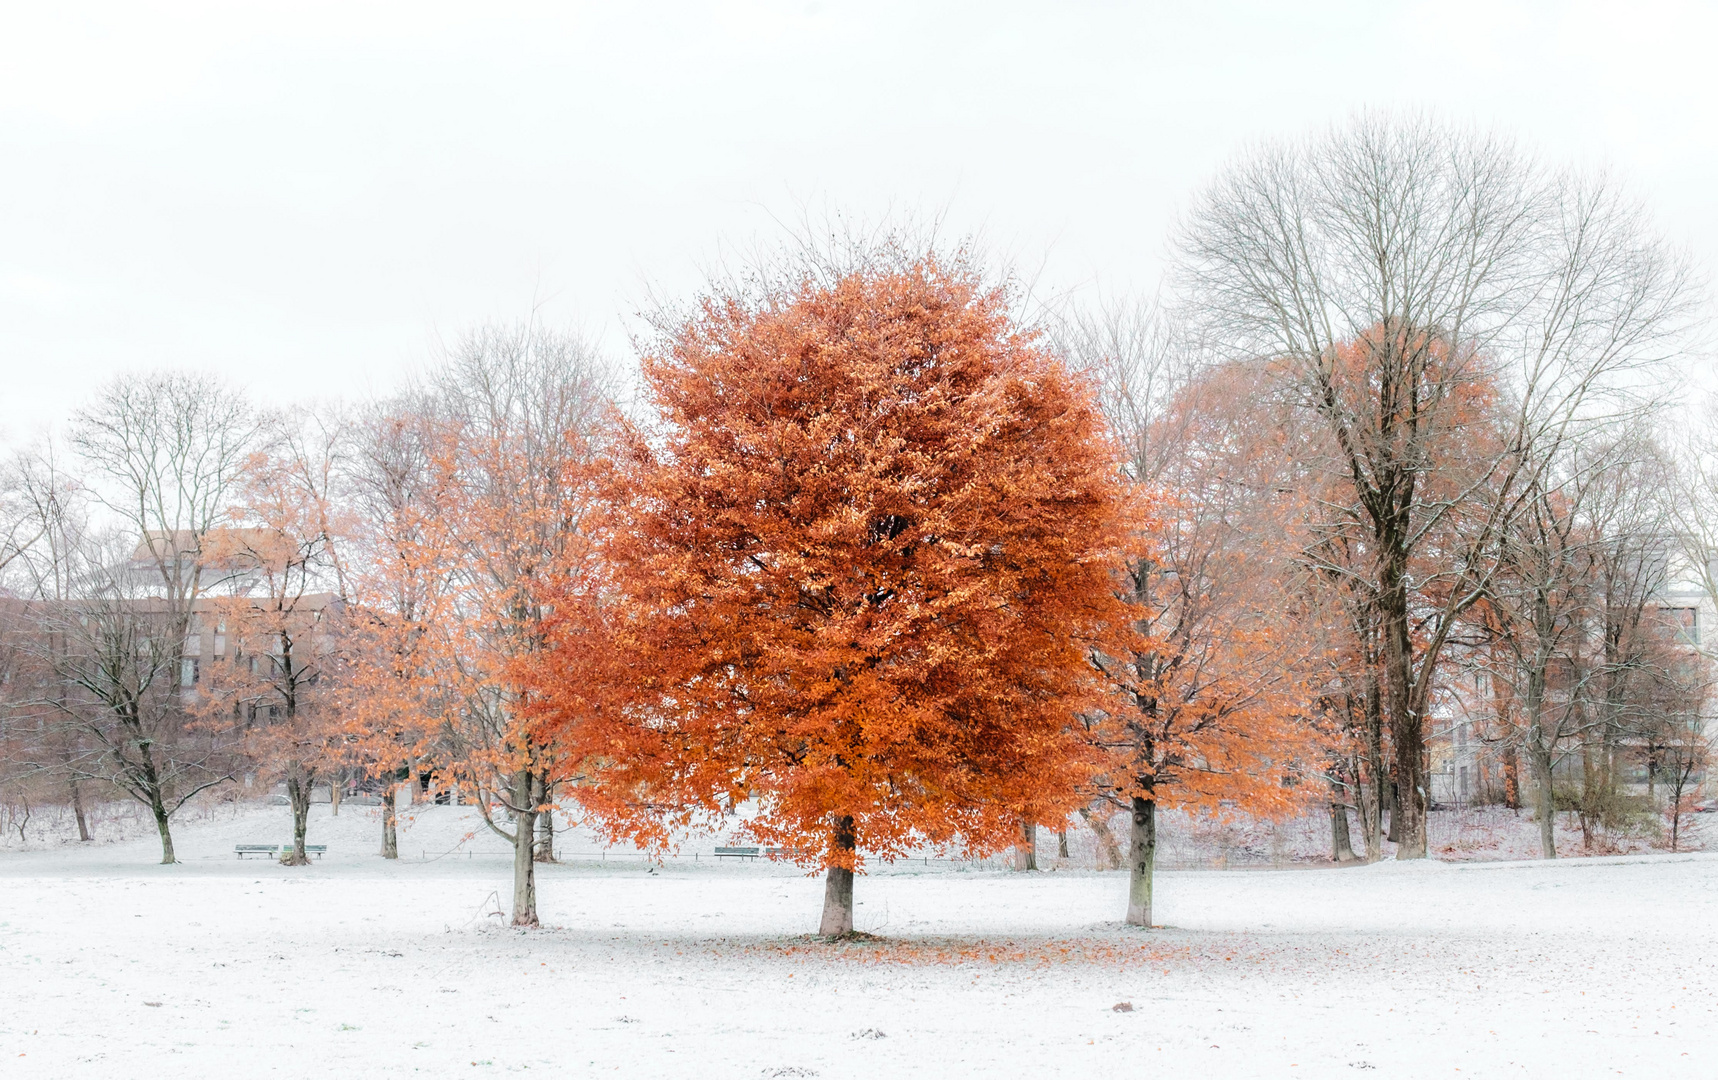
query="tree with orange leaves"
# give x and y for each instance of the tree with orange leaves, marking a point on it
(1209, 705)
(400, 575)
(477, 492)
(858, 571)
(274, 616)
(525, 412)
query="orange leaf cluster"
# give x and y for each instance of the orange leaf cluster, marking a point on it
(858, 573)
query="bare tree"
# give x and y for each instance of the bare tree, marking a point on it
(166, 450)
(48, 506)
(115, 656)
(1401, 273)
(1685, 751)
(112, 612)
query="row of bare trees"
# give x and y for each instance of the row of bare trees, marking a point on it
(201, 594)
(1474, 353)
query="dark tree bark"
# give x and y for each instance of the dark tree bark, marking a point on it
(1407, 731)
(153, 797)
(1026, 855)
(300, 781)
(160, 813)
(1375, 801)
(838, 885)
(1341, 846)
(78, 809)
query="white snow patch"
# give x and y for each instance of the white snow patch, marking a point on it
(111, 966)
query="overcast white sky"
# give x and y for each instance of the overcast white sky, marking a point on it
(303, 196)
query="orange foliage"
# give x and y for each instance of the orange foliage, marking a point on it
(1212, 702)
(274, 616)
(401, 579)
(858, 572)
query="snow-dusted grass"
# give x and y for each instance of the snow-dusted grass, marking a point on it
(112, 966)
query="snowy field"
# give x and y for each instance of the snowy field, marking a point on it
(113, 967)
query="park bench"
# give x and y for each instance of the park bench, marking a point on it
(241, 850)
(746, 852)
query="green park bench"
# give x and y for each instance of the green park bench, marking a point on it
(241, 850)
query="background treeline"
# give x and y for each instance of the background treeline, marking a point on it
(1394, 462)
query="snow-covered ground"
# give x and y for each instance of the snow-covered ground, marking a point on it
(111, 966)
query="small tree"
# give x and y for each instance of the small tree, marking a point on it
(470, 539)
(1210, 699)
(400, 579)
(276, 619)
(859, 568)
(1684, 757)
(119, 657)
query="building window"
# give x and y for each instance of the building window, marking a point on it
(188, 671)
(1686, 620)
(1461, 780)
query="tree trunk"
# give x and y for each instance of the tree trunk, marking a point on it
(1100, 828)
(335, 783)
(1679, 777)
(838, 885)
(1142, 859)
(1376, 796)
(1370, 833)
(1389, 807)
(524, 844)
(545, 849)
(1589, 809)
(1341, 846)
(159, 809)
(1545, 798)
(150, 783)
(1511, 777)
(78, 810)
(1411, 801)
(299, 781)
(390, 833)
(1062, 843)
(1026, 854)
(1407, 735)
